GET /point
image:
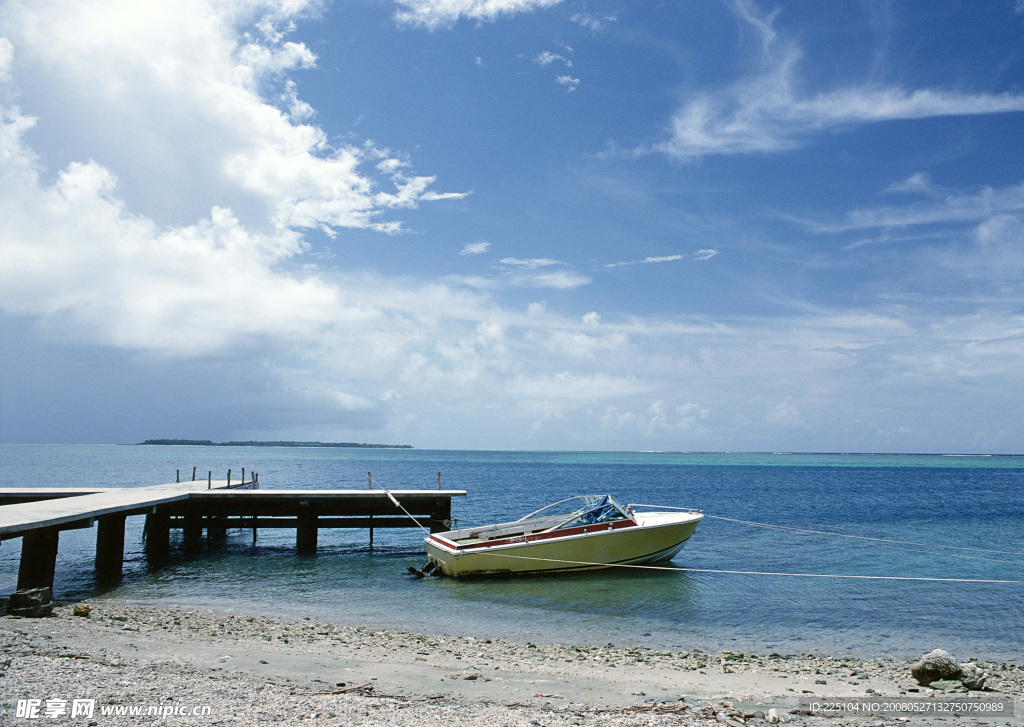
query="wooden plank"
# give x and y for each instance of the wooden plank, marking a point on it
(63, 512)
(12, 495)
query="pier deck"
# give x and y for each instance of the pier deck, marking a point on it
(38, 515)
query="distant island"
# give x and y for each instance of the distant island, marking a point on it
(208, 443)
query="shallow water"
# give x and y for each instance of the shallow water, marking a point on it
(967, 502)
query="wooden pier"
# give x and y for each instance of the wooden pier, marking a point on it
(38, 515)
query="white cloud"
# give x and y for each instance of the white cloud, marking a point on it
(475, 248)
(172, 98)
(546, 58)
(6, 59)
(569, 82)
(539, 273)
(705, 254)
(434, 14)
(537, 262)
(766, 112)
(558, 279)
(591, 22)
(919, 183)
(650, 260)
(92, 251)
(962, 208)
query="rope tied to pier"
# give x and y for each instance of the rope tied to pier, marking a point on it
(400, 507)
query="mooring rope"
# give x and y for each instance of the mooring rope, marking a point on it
(754, 573)
(843, 535)
(399, 506)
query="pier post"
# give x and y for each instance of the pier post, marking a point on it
(306, 533)
(38, 558)
(158, 536)
(192, 527)
(441, 517)
(110, 545)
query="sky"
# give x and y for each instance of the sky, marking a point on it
(736, 225)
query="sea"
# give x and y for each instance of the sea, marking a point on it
(850, 554)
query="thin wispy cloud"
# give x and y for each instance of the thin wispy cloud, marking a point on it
(765, 112)
(595, 23)
(434, 14)
(530, 263)
(959, 209)
(704, 254)
(542, 273)
(647, 261)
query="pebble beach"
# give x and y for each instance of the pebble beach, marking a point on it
(141, 665)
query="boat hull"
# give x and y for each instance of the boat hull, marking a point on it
(658, 536)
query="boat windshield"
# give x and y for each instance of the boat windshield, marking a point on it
(582, 510)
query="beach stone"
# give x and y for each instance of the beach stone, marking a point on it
(972, 676)
(935, 666)
(773, 716)
(948, 685)
(31, 602)
(82, 609)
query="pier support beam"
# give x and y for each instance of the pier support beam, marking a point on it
(306, 533)
(110, 545)
(158, 536)
(38, 558)
(441, 517)
(192, 528)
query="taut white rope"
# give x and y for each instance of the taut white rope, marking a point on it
(757, 573)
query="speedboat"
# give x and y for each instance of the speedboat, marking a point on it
(581, 533)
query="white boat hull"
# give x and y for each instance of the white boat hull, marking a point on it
(652, 537)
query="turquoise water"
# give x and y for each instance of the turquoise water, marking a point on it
(967, 502)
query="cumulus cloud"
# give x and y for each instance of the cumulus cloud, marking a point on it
(434, 14)
(765, 110)
(94, 249)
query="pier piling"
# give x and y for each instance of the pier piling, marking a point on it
(110, 545)
(38, 558)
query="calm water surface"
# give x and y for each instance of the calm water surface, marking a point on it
(974, 503)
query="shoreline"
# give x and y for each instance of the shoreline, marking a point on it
(253, 670)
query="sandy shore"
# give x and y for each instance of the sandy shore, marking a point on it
(244, 670)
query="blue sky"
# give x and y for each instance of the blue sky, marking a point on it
(539, 224)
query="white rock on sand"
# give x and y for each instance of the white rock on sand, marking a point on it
(247, 670)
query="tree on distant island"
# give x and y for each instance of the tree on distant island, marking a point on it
(210, 443)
